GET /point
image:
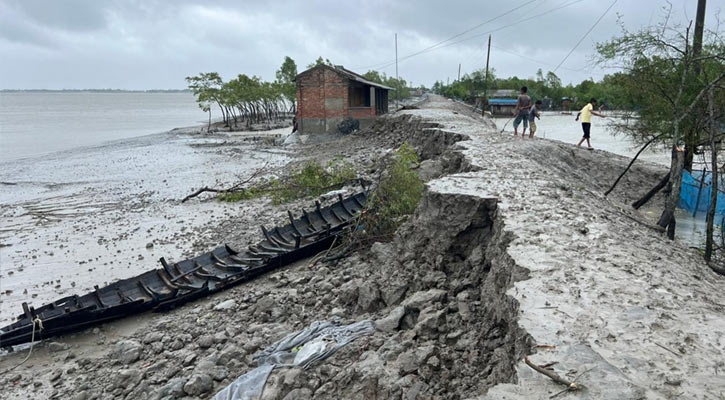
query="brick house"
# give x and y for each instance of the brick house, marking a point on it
(326, 95)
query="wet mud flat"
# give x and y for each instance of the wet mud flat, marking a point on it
(90, 216)
(499, 257)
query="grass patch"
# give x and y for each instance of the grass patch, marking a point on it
(311, 179)
(396, 196)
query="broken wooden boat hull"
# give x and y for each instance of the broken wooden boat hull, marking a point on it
(177, 283)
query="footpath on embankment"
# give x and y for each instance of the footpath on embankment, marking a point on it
(604, 296)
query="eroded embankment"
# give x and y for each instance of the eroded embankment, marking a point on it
(447, 327)
(447, 274)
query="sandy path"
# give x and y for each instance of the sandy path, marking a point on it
(608, 293)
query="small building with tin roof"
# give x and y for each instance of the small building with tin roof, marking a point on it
(502, 102)
(327, 95)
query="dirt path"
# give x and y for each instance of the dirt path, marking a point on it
(609, 294)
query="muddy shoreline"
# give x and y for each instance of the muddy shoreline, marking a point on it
(512, 246)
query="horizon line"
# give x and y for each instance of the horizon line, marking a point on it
(95, 90)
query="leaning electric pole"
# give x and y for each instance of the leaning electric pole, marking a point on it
(484, 102)
(397, 80)
(699, 28)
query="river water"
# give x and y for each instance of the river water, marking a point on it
(37, 123)
(555, 126)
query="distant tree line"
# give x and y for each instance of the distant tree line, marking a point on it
(402, 90)
(609, 90)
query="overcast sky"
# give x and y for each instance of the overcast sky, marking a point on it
(144, 44)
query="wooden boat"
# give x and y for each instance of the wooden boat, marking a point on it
(178, 283)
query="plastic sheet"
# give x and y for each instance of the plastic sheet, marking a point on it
(696, 191)
(248, 386)
(303, 349)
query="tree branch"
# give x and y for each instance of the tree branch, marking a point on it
(570, 386)
(632, 162)
(237, 187)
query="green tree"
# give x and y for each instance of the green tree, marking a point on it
(659, 62)
(286, 78)
(400, 86)
(319, 61)
(207, 88)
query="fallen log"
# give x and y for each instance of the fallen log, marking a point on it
(644, 199)
(630, 163)
(237, 187)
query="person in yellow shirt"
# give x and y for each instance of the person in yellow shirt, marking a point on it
(586, 114)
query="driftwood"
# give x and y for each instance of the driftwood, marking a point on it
(631, 162)
(237, 187)
(716, 268)
(570, 386)
(644, 199)
(668, 349)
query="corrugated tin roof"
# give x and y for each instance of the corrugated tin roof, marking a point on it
(502, 101)
(360, 78)
(505, 93)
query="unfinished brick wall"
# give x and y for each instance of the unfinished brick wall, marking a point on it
(323, 101)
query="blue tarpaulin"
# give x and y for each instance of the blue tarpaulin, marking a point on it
(696, 191)
(502, 101)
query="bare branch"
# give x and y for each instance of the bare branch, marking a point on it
(237, 187)
(570, 386)
(699, 97)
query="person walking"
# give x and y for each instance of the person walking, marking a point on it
(586, 114)
(521, 111)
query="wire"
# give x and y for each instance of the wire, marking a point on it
(452, 37)
(385, 65)
(586, 34)
(515, 23)
(534, 60)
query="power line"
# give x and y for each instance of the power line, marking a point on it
(385, 65)
(586, 34)
(529, 13)
(454, 36)
(513, 24)
(535, 60)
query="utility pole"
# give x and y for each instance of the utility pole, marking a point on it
(459, 72)
(699, 28)
(484, 103)
(690, 136)
(397, 80)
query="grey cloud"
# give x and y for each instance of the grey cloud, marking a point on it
(154, 43)
(71, 15)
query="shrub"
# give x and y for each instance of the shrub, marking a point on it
(396, 196)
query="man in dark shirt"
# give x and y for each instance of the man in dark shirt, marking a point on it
(522, 111)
